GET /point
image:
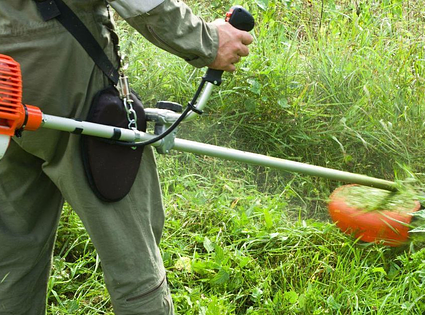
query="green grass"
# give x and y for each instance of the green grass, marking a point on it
(232, 249)
(235, 250)
(339, 85)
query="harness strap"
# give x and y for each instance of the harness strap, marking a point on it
(50, 9)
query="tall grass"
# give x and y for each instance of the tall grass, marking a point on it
(333, 83)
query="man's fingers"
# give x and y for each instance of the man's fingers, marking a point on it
(246, 38)
(243, 51)
(233, 44)
(230, 68)
(236, 59)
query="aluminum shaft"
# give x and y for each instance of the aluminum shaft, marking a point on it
(281, 164)
(103, 131)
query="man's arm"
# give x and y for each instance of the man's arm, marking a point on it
(171, 25)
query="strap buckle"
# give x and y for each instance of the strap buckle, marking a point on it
(48, 9)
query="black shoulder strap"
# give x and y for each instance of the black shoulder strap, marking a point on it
(51, 9)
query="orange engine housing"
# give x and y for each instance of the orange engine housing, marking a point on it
(13, 114)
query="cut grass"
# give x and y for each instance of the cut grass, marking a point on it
(230, 248)
(248, 249)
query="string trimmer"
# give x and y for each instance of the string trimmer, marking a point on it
(16, 117)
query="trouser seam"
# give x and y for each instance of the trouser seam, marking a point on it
(147, 292)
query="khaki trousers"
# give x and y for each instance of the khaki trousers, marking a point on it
(42, 169)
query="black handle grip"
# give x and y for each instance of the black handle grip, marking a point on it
(241, 19)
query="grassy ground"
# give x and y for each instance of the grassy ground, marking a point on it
(337, 84)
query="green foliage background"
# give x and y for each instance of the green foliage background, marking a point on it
(332, 83)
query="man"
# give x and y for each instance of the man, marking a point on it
(42, 169)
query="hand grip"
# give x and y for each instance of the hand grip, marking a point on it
(241, 19)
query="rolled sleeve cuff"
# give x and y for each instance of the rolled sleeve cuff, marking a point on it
(205, 60)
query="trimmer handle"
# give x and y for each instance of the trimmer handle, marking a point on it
(241, 19)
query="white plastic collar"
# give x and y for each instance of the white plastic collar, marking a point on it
(4, 143)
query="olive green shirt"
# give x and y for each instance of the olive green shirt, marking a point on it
(169, 24)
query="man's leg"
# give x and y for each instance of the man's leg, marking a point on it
(30, 207)
(61, 78)
(126, 233)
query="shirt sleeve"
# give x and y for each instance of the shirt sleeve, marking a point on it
(171, 25)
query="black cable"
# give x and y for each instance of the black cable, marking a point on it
(153, 140)
(190, 107)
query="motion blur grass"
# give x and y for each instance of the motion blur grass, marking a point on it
(335, 83)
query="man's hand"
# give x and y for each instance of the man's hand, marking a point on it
(232, 45)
